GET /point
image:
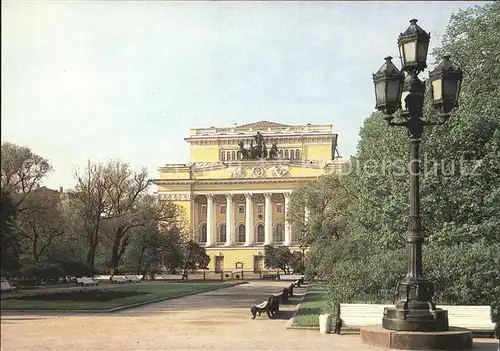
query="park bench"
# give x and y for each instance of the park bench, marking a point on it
(271, 306)
(269, 276)
(298, 282)
(134, 278)
(287, 293)
(168, 276)
(119, 279)
(475, 318)
(5, 286)
(291, 277)
(86, 281)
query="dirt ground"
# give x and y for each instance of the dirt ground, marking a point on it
(216, 320)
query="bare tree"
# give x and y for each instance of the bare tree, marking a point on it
(90, 194)
(41, 222)
(113, 201)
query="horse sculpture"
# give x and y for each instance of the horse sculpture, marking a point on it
(273, 153)
(245, 154)
(257, 151)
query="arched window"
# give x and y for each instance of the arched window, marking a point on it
(233, 155)
(223, 156)
(239, 155)
(228, 156)
(292, 154)
(260, 233)
(286, 154)
(241, 233)
(278, 233)
(203, 233)
(222, 233)
(297, 154)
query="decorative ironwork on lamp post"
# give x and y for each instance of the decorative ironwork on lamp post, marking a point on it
(415, 310)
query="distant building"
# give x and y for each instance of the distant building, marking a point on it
(236, 205)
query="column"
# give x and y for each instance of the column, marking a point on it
(249, 220)
(268, 219)
(288, 227)
(230, 238)
(210, 220)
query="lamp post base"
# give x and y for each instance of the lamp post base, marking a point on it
(401, 319)
(415, 310)
(452, 339)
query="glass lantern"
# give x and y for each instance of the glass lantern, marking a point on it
(413, 46)
(388, 83)
(445, 80)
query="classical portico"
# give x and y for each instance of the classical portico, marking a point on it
(242, 218)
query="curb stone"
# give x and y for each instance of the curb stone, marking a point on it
(290, 322)
(120, 308)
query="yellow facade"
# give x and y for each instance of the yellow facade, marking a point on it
(234, 206)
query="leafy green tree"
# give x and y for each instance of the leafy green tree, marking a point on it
(278, 257)
(9, 244)
(21, 171)
(194, 257)
(460, 188)
(152, 248)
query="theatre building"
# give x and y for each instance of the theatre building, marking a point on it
(236, 188)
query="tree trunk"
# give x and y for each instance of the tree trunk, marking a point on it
(139, 262)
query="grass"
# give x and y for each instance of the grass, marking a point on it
(313, 304)
(104, 299)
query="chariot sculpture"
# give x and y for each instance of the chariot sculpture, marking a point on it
(258, 149)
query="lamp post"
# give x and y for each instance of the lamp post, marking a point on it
(415, 310)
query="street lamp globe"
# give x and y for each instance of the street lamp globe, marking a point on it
(388, 83)
(413, 45)
(446, 80)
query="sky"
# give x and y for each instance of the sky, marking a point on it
(127, 80)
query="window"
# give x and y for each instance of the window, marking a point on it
(239, 265)
(278, 233)
(281, 153)
(222, 233)
(292, 154)
(203, 209)
(223, 156)
(222, 209)
(241, 233)
(260, 233)
(241, 208)
(228, 156)
(279, 208)
(233, 155)
(239, 155)
(203, 233)
(286, 154)
(260, 209)
(297, 154)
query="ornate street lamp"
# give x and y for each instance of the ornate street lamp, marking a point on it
(415, 310)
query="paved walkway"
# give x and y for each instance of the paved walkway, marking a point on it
(216, 320)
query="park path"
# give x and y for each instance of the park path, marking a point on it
(215, 320)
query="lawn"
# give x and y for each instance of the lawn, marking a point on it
(106, 298)
(313, 304)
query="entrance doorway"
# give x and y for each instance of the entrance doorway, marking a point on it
(219, 264)
(257, 263)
